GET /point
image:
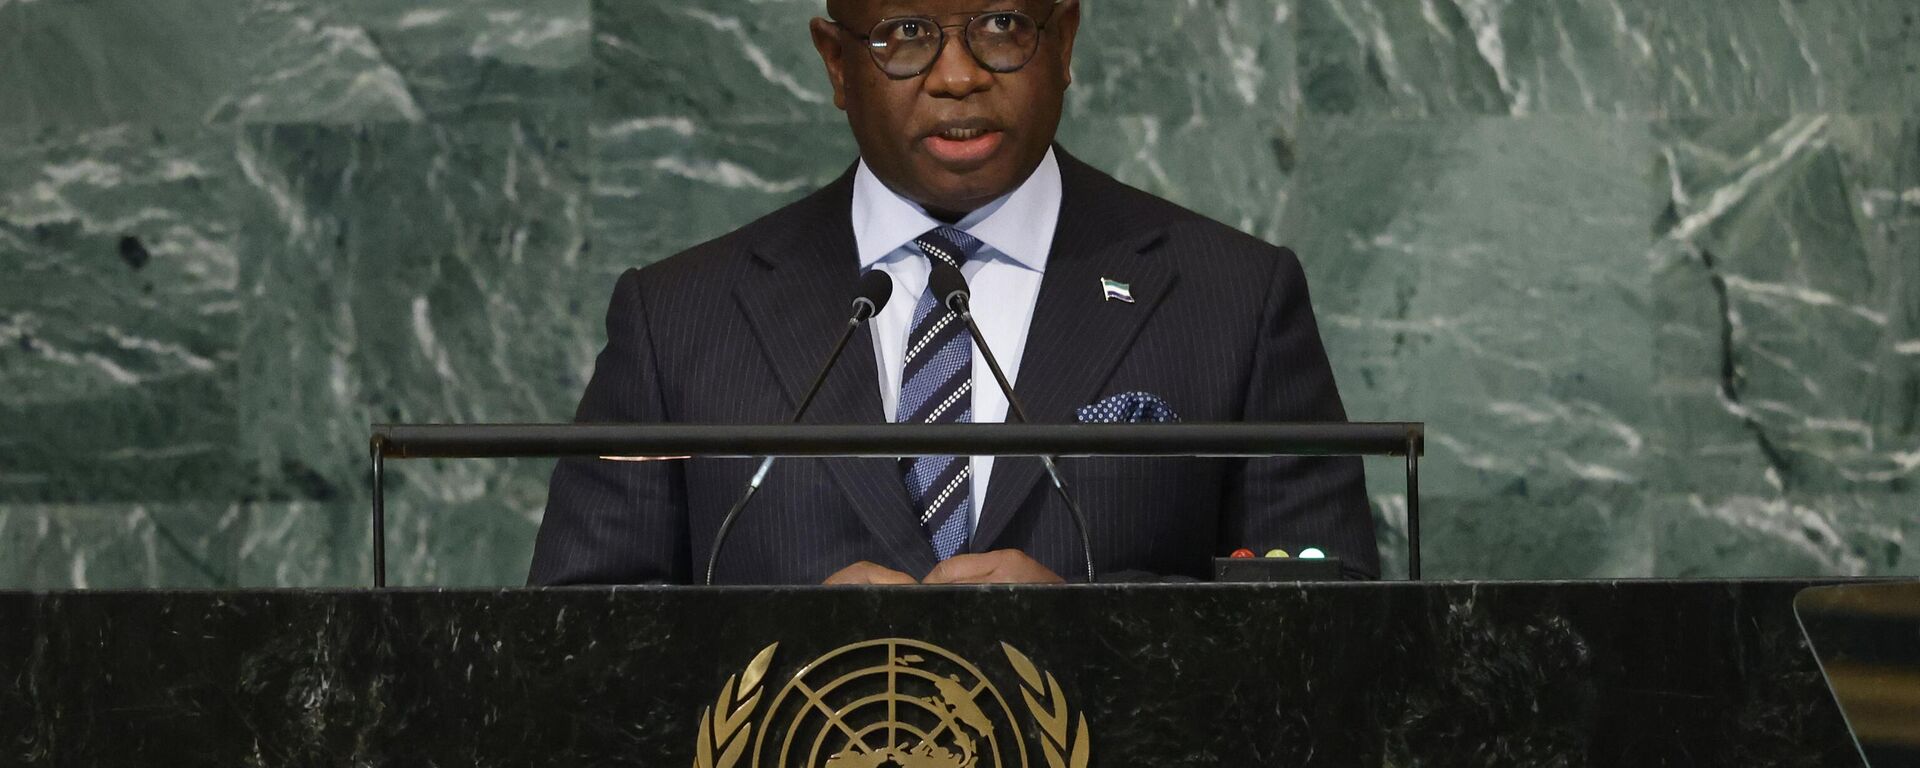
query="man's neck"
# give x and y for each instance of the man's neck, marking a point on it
(944, 216)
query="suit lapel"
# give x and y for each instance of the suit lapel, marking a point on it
(1077, 337)
(795, 299)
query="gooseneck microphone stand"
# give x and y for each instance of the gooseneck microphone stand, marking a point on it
(875, 288)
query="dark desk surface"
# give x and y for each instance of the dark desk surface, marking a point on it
(1475, 673)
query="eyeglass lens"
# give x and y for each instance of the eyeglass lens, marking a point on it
(1001, 42)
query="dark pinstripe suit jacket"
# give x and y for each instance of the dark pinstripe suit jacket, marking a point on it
(732, 330)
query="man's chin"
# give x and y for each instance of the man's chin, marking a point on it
(946, 190)
(963, 196)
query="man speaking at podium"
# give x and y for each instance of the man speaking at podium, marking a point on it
(1103, 303)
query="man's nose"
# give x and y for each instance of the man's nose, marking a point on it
(955, 73)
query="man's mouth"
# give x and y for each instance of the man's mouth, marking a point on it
(962, 134)
(963, 144)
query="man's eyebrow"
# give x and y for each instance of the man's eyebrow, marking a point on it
(892, 8)
(889, 9)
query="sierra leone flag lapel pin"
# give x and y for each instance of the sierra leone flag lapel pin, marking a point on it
(1114, 290)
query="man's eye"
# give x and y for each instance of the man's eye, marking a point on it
(908, 31)
(1002, 23)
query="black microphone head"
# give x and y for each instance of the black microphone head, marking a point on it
(874, 291)
(949, 286)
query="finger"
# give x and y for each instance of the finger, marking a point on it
(999, 569)
(989, 576)
(1012, 566)
(960, 569)
(852, 574)
(866, 573)
(951, 569)
(884, 575)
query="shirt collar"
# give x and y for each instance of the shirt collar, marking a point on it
(1018, 225)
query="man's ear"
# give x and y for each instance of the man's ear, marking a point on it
(1066, 20)
(831, 45)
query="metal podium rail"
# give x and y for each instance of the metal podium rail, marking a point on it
(1237, 440)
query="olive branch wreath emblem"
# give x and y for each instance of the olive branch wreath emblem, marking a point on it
(1049, 709)
(727, 727)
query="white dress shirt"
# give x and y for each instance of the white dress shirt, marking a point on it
(1017, 233)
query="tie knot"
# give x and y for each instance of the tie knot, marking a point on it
(948, 244)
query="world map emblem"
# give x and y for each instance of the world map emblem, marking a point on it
(891, 702)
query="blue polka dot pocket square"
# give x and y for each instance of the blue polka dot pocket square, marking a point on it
(1128, 408)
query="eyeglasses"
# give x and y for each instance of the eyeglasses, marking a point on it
(907, 46)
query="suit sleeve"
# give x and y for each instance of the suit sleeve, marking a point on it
(616, 522)
(1293, 503)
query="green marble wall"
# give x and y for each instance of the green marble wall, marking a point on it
(1650, 270)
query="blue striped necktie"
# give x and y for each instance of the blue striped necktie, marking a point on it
(936, 387)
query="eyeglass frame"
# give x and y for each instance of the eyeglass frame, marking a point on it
(1039, 29)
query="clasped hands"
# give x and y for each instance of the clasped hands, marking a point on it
(1001, 566)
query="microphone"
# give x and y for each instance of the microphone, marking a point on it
(951, 288)
(874, 291)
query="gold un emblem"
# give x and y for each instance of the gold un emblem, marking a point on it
(889, 702)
